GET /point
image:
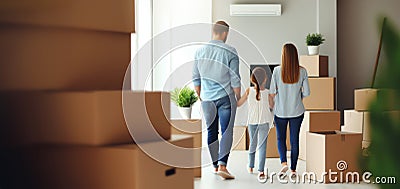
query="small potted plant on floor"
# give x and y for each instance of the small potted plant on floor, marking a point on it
(313, 41)
(184, 98)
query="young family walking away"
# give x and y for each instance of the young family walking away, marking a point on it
(217, 82)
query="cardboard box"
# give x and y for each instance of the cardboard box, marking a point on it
(104, 15)
(358, 122)
(316, 65)
(322, 94)
(362, 98)
(336, 151)
(84, 118)
(394, 115)
(317, 121)
(193, 128)
(45, 58)
(272, 143)
(240, 138)
(83, 167)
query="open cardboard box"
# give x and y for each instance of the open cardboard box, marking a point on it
(317, 121)
(334, 151)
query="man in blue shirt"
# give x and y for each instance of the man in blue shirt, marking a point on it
(217, 82)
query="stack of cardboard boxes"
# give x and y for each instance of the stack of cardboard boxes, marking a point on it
(358, 120)
(64, 117)
(321, 102)
(324, 147)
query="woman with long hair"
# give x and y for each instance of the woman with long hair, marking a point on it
(289, 85)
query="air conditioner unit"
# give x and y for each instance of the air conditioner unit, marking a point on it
(255, 9)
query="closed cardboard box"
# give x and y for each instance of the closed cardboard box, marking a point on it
(83, 167)
(193, 128)
(316, 65)
(104, 15)
(394, 115)
(363, 97)
(84, 117)
(322, 94)
(46, 58)
(333, 151)
(272, 143)
(358, 122)
(317, 121)
(240, 138)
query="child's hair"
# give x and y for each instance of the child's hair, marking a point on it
(257, 77)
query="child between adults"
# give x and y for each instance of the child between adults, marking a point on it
(259, 119)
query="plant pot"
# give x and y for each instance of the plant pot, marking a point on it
(186, 112)
(313, 50)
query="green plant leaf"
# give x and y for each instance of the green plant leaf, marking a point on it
(183, 97)
(314, 39)
(385, 126)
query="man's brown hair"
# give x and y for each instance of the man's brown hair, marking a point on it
(220, 27)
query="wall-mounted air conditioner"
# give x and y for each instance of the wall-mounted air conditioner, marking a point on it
(255, 9)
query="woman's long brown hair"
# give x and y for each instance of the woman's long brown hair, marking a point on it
(257, 78)
(290, 64)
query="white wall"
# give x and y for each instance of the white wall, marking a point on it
(169, 14)
(359, 33)
(142, 65)
(299, 17)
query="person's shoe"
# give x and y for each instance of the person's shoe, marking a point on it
(215, 170)
(282, 172)
(250, 170)
(293, 175)
(262, 178)
(225, 175)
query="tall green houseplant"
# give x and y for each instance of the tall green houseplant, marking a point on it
(384, 155)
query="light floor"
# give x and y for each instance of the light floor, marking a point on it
(237, 165)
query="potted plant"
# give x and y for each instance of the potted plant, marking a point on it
(313, 41)
(184, 98)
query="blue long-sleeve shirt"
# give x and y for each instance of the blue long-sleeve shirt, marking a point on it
(289, 97)
(216, 70)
